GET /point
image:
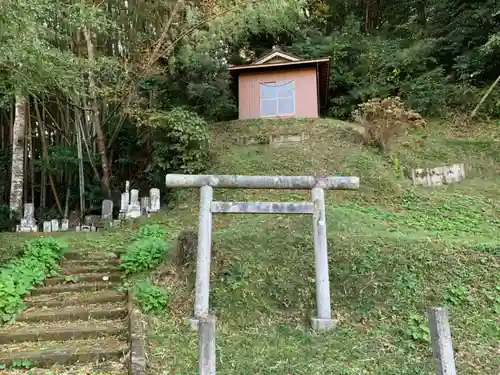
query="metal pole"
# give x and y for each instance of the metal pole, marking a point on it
(323, 318)
(204, 253)
(206, 346)
(442, 347)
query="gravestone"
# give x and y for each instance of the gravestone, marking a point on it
(107, 210)
(145, 206)
(28, 223)
(54, 224)
(65, 224)
(85, 228)
(154, 198)
(134, 208)
(124, 205)
(438, 175)
(47, 226)
(78, 228)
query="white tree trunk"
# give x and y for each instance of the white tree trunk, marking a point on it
(17, 175)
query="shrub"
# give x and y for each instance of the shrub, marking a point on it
(150, 231)
(20, 275)
(143, 254)
(180, 142)
(384, 119)
(152, 298)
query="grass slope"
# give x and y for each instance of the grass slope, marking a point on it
(394, 250)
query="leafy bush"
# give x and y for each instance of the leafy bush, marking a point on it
(38, 261)
(150, 231)
(151, 298)
(490, 248)
(384, 119)
(143, 255)
(180, 142)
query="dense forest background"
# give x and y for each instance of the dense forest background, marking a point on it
(93, 93)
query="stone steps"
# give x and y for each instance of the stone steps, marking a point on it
(74, 313)
(96, 268)
(48, 353)
(64, 331)
(76, 298)
(78, 317)
(77, 287)
(84, 278)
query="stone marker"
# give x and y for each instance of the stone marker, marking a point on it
(439, 175)
(47, 226)
(85, 228)
(107, 210)
(145, 206)
(65, 224)
(134, 208)
(206, 346)
(28, 223)
(54, 224)
(442, 346)
(117, 223)
(124, 205)
(78, 228)
(154, 197)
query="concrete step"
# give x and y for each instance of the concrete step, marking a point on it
(76, 299)
(104, 368)
(79, 287)
(96, 268)
(90, 262)
(62, 331)
(92, 255)
(84, 278)
(48, 353)
(111, 311)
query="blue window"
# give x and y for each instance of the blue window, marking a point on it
(277, 98)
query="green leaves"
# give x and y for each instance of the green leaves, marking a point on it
(152, 298)
(148, 249)
(180, 142)
(20, 275)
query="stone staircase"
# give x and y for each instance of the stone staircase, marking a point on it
(76, 323)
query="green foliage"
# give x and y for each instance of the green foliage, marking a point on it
(180, 142)
(146, 251)
(152, 299)
(20, 275)
(489, 248)
(417, 329)
(149, 231)
(143, 255)
(456, 294)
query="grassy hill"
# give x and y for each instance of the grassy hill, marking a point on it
(394, 250)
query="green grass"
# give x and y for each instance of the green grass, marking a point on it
(394, 251)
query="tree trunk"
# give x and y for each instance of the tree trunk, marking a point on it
(17, 172)
(101, 145)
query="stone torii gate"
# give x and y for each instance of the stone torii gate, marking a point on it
(316, 208)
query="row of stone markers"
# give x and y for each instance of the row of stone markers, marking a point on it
(131, 207)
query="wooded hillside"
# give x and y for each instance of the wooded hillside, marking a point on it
(96, 93)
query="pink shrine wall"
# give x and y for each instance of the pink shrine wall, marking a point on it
(306, 92)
